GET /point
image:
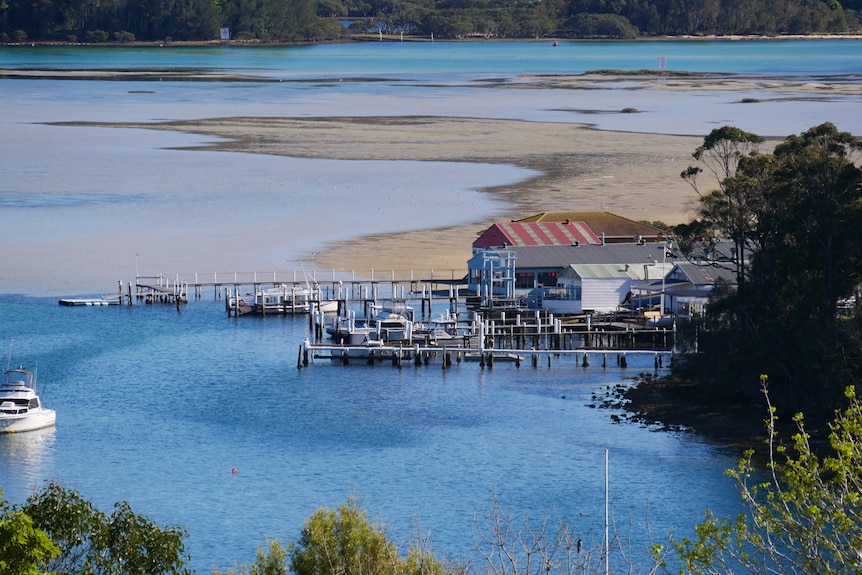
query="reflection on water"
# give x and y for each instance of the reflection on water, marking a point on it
(27, 455)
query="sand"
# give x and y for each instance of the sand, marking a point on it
(634, 175)
(582, 169)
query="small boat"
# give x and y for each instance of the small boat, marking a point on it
(282, 299)
(439, 330)
(389, 324)
(20, 407)
(106, 300)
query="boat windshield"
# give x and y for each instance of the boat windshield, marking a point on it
(18, 377)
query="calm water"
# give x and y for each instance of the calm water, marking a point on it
(457, 61)
(156, 407)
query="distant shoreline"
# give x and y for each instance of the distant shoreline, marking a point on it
(397, 38)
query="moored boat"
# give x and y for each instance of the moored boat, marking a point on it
(389, 324)
(20, 408)
(282, 299)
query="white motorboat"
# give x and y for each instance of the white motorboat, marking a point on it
(389, 324)
(282, 299)
(20, 407)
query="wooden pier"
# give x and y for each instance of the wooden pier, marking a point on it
(488, 335)
(333, 286)
(419, 355)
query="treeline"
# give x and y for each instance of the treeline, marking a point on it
(795, 218)
(96, 21)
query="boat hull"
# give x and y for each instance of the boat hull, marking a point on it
(27, 422)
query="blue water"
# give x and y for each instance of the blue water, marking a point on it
(157, 406)
(456, 60)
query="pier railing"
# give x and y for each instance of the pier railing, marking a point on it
(197, 280)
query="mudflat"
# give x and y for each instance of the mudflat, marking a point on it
(573, 164)
(578, 168)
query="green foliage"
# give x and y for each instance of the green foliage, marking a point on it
(307, 20)
(24, 549)
(343, 542)
(94, 543)
(270, 561)
(805, 518)
(603, 26)
(795, 219)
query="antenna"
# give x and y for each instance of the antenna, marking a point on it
(607, 541)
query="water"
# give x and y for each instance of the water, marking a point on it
(81, 187)
(456, 61)
(157, 406)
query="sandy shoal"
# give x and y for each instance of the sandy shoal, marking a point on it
(634, 175)
(580, 169)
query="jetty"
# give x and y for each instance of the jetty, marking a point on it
(469, 330)
(331, 286)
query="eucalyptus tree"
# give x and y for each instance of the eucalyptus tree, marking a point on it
(729, 210)
(92, 542)
(798, 213)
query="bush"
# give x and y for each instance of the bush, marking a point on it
(96, 543)
(97, 36)
(806, 518)
(123, 37)
(343, 542)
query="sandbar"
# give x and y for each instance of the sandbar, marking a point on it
(581, 169)
(635, 175)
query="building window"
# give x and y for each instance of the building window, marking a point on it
(525, 280)
(548, 279)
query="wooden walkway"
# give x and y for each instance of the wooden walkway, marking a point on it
(333, 286)
(522, 332)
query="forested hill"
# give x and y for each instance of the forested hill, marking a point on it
(94, 21)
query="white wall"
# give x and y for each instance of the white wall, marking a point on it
(603, 295)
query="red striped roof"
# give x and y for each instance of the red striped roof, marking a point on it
(536, 234)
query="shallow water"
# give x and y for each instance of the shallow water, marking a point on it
(92, 206)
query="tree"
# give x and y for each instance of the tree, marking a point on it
(805, 518)
(24, 549)
(94, 543)
(730, 209)
(795, 218)
(344, 542)
(270, 561)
